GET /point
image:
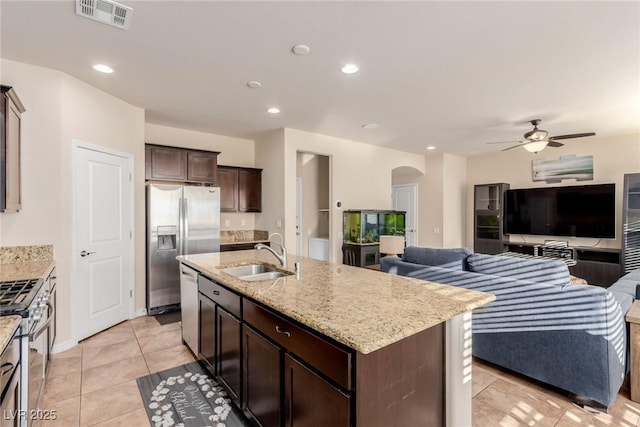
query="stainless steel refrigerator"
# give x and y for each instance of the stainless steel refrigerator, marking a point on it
(181, 220)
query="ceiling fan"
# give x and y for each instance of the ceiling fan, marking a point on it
(536, 139)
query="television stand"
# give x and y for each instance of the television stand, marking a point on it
(598, 266)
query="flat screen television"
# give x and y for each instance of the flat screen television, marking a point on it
(574, 211)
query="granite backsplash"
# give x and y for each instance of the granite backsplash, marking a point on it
(239, 236)
(18, 254)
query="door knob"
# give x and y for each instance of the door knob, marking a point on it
(85, 253)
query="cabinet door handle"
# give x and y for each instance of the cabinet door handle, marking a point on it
(216, 292)
(283, 332)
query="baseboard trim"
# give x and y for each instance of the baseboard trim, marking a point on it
(140, 312)
(63, 346)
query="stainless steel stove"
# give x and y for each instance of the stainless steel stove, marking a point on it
(30, 300)
(16, 296)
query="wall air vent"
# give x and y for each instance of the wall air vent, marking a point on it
(106, 11)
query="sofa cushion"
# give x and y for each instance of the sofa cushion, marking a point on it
(453, 258)
(552, 272)
(627, 284)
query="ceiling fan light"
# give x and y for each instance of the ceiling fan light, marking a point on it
(536, 146)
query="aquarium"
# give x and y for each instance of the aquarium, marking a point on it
(362, 227)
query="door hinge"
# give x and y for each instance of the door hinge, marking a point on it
(130, 293)
(130, 234)
(129, 176)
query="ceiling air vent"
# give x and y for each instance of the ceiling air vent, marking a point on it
(106, 11)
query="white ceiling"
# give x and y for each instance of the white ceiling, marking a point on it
(450, 74)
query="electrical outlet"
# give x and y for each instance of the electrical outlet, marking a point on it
(436, 230)
(227, 223)
(243, 222)
(278, 223)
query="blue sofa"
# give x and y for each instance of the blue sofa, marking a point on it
(573, 337)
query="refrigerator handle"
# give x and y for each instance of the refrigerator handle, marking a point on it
(185, 224)
(180, 228)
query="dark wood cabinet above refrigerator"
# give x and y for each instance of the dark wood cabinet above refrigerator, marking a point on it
(11, 110)
(180, 164)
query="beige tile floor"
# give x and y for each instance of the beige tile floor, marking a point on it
(94, 384)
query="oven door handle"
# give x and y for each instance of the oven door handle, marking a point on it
(52, 312)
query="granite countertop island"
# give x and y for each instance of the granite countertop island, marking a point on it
(363, 309)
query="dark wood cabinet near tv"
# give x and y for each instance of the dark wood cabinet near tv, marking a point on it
(631, 223)
(180, 164)
(598, 266)
(488, 234)
(11, 110)
(240, 189)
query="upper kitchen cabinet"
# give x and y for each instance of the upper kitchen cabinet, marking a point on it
(179, 164)
(240, 189)
(11, 110)
(250, 190)
(228, 183)
(202, 166)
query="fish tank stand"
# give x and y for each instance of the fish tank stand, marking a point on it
(361, 230)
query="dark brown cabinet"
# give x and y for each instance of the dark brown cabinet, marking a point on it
(230, 352)
(207, 332)
(180, 164)
(310, 398)
(261, 379)
(310, 401)
(240, 189)
(202, 166)
(249, 190)
(488, 236)
(11, 110)
(220, 338)
(228, 183)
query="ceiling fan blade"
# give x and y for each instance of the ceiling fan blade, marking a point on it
(513, 146)
(573, 135)
(553, 143)
(504, 142)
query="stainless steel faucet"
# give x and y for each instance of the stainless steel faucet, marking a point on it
(282, 257)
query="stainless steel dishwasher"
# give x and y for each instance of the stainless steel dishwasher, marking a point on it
(189, 307)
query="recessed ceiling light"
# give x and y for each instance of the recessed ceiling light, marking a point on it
(103, 68)
(254, 84)
(431, 147)
(273, 110)
(370, 126)
(349, 68)
(300, 49)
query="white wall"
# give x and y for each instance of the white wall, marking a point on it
(233, 152)
(454, 200)
(269, 154)
(612, 158)
(441, 200)
(61, 108)
(360, 177)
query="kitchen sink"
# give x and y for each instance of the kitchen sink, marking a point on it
(270, 275)
(255, 272)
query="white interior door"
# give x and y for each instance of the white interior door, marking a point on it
(103, 238)
(404, 198)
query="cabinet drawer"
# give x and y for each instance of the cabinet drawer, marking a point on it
(332, 361)
(9, 362)
(220, 295)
